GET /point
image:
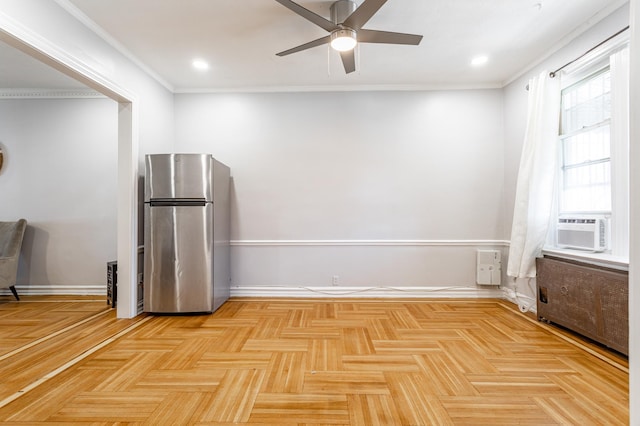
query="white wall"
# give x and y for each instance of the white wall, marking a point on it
(515, 108)
(360, 172)
(60, 175)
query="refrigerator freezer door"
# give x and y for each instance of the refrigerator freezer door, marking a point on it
(178, 266)
(179, 176)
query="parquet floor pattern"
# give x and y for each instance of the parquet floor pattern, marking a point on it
(321, 362)
(38, 317)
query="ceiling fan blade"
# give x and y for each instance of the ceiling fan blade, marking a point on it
(309, 15)
(373, 36)
(363, 13)
(348, 60)
(314, 43)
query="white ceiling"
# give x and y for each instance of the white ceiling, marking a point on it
(239, 38)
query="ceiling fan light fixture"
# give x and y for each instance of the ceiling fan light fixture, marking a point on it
(346, 29)
(343, 40)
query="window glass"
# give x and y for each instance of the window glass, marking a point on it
(585, 145)
(587, 102)
(587, 188)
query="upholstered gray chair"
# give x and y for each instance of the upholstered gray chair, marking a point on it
(11, 234)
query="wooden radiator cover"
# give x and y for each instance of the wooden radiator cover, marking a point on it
(587, 299)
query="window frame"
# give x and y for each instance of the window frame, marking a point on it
(577, 70)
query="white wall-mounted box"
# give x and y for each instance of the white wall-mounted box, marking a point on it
(489, 267)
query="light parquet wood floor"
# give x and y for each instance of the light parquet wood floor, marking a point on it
(35, 318)
(355, 362)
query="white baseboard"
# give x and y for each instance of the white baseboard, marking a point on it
(58, 290)
(373, 292)
(311, 292)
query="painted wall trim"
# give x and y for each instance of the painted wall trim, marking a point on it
(341, 88)
(34, 93)
(410, 243)
(293, 292)
(17, 35)
(58, 290)
(367, 292)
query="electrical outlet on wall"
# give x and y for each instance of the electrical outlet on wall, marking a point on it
(335, 280)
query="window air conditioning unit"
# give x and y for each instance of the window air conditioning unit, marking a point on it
(584, 233)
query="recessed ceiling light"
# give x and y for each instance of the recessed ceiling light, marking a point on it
(200, 64)
(479, 61)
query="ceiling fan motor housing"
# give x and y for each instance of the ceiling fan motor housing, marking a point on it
(341, 9)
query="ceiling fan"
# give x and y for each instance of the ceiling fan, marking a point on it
(345, 28)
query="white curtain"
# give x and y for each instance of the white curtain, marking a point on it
(536, 186)
(619, 66)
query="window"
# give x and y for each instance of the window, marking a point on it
(585, 146)
(594, 144)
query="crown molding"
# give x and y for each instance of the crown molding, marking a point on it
(341, 88)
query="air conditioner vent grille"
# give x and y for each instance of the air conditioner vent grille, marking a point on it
(576, 220)
(584, 233)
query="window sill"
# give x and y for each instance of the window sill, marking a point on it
(599, 259)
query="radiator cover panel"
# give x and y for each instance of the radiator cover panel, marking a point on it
(589, 300)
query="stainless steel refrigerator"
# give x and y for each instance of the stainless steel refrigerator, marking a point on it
(186, 235)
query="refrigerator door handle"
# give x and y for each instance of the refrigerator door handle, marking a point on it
(175, 202)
